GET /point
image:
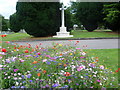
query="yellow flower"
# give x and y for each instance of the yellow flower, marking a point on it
(71, 54)
(59, 63)
(60, 44)
(89, 75)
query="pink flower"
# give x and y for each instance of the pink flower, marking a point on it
(98, 80)
(82, 57)
(22, 60)
(15, 70)
(44, 60)
(77, 48)
(101, 67)
(80, 68)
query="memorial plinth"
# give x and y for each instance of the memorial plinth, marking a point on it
(63, 33)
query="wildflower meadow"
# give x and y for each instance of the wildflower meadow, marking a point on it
(60, 66)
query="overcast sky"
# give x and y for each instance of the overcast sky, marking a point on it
(8, 7)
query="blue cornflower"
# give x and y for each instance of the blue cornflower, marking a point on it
(22, 76)
(22, 86)
(30, 80)
(48, 63)
(49, 75)
(77, 84)
(55, 85)
(29, 75)
(13, 87)
(24, 82)
(47, 86)
(66, 86)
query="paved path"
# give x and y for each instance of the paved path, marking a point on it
(91, 44)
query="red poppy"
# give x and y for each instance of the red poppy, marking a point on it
(38, 74)
(118, 68)
(38, 53)
(65, 65)
(70, 40)
(37, 46)
(77, 41)
(34, 62)
(3, 35)
(44, 71)
(116, 71)
(61, 54)
(67, 74)
(26, 51)
(3, 50)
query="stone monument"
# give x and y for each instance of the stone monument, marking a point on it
(63, 30)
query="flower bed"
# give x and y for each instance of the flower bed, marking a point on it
(52, 67)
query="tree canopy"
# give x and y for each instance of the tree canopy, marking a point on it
(112, 19)
(14, 23)
(89, 14)
(3, 23)
(39, 19)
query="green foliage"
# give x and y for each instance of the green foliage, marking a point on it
(89, 14)
(3, 23)
(68, 19)
(15, 37)
(39, 19)
(112, 12)
(14, 23)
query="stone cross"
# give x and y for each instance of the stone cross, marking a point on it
(63, 20)
(63, 30)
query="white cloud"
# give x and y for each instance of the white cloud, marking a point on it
(7, 7)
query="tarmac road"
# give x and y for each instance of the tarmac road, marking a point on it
(83, 44)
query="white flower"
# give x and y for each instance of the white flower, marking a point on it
(90, 69)
(1, 66)
(17, 49)
(81, 76)
(65, 67)
(83, 53)
(15, 74)
(28, 71)
(101, 67)
(8, 76)
(62, 71)
(100, 83)
(19, 73)
(17, 83)
(94, 75)
(15, 78)
(19, 78)
(44, 60)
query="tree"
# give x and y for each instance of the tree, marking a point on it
(112, 19)
(14, 23)
(68, 19)
(39, 19)
(3, 23)
(89, 14)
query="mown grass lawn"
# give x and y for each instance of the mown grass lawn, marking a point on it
(15, 36)
(94, 34)
(76, 33)
(107, 57)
